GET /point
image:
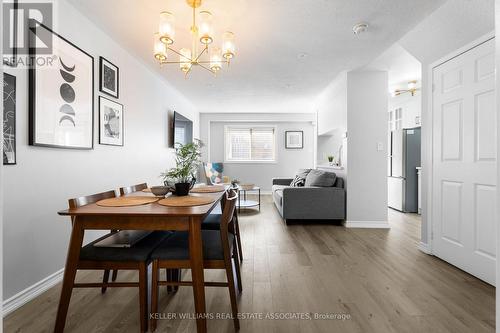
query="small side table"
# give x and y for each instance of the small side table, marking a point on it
(247, 203)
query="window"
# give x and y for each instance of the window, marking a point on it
(250, 144)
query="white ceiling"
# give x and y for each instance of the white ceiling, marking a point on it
(287, 50)
(401, 66)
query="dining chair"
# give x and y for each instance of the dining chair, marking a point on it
(212, 222)
(133, 188)
(219, 251)
(135, 257)
(123, 191)
(170, 274)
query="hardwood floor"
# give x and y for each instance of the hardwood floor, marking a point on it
(376, 279)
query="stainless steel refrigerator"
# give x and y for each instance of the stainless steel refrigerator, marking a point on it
(404, 158)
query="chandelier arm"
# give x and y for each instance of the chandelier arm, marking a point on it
(208, 62)
(208, 69)
(201, 53)
(180, 54)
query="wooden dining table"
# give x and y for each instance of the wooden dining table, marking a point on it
(144, 217)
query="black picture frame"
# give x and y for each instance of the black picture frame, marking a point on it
(101, 139)
(288, 144)
(12, 61)
(9, 119)
(102, 63)
(32, 74)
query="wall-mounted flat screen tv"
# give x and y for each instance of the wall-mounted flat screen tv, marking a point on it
(183, 129)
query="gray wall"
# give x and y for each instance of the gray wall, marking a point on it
(35, 237)
(288, 160)
(367, 166)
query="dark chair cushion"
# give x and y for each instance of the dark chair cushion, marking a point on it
(176, 247)
(212, 222)
(138, 252)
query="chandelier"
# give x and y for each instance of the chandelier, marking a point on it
(201, 53)
(412, 89)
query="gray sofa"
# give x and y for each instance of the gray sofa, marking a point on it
(309, 203)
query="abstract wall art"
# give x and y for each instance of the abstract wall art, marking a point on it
(61, 95)
(108, 77)
(110, 122)
(9, 119)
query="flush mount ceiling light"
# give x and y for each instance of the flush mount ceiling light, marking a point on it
(412, 89)
(209, 58)
(360, 28)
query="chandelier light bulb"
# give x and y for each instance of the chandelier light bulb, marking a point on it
(205, 28)
(228, 45)
(159, 49)
(412, 85)
(166, 28)
(185, 60)
(216, 59)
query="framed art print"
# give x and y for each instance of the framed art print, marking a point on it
(108, 77)
(294, 139)
(110, 122)
(61, 94)
(9, 119)
(10, 14)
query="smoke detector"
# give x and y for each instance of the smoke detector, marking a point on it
(360, 28)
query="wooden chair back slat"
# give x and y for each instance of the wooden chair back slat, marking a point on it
(227, 220)
(82, 201)
(133, 188)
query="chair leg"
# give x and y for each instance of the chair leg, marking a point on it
(168, 272)
(176, 276)
(237, 269)
(105, 279)
(114, 275)
(155, 272)
(232, 293)
(238, 237)
(143, 296)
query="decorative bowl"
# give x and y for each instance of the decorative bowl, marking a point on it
(247, 187)
(159, 191)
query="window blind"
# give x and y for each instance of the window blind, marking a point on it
(250, 144)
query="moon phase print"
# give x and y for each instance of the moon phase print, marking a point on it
(61, 95)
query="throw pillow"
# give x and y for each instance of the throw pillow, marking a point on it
(298, 182)
(300, 178)
(320, 178)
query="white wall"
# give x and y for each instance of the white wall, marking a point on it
(367, 166)
(452, 26)
(411, 107)
(331, 106)
(1, 184)
(497, 50)
(44, 178)
(261, 174)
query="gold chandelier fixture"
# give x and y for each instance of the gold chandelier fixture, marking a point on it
(412, 89)
(201, 53)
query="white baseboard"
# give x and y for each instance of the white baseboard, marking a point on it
(367, 224)
(31, 292)
(425, 248)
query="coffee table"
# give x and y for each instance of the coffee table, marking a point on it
(243, 202)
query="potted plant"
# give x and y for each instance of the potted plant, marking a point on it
(187, 161)
(330, 159)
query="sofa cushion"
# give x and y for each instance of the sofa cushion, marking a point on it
(278, 193)
(300, 178)
(320, 178)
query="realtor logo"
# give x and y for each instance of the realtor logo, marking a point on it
(20, 19)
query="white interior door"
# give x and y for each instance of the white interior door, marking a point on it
(464, 161)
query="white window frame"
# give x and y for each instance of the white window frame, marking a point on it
(226, 146)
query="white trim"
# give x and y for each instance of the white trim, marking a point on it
(425, 248)
(427, 119)
(31, 292)
(367, 224)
